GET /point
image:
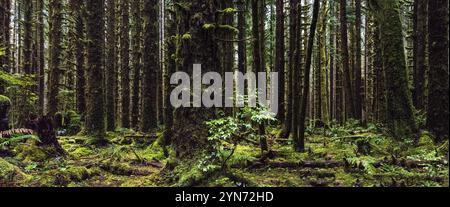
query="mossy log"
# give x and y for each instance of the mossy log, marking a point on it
(409, 164)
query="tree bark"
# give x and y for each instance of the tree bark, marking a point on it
(438, 111)
(137, 30)
(149, 117)
(420, 45)
(400, 115)
(345, 59)
(95, 125)
(111, 70)
(300, 146)
(55, 51)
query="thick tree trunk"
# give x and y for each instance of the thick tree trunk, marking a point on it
(293, 16)
(242, 48)
(345, 60)
(358, 62)
(149, 117)
(95, 125)
(55, 51)
(28, 37)
(420, 45)
(400, 115)
(41, 55)
(136, 42)
(125, 62)
(438, 111)
(111, 70)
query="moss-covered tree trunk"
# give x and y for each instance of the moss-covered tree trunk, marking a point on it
(359, 93)
(400, 114)
(41, 54)
(438, 111)
(197, 27)
(5, 6)
(55, 34)
(136, 42)
(242, 48)
(28, 37)
(420, 45)
(149, 119)
(323, 64)
(111, 70)
(170, 69)
(95, 124)
(349, 99)
(293, 25)
(125, 62)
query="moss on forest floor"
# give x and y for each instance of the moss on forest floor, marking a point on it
(338, 157)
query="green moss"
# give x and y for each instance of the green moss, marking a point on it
(186, 36)
(229, 28)
(5, 100)
(209, 26)
(29, 153)
(11, 175)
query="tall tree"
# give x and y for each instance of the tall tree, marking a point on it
(322, 33)
(280, 57)
(5, 7)
(170, 69)
(293, 25)
(345, 58)
(137, 30)
(300, 146)
(41, 54)
(125, 62)
(149, 117)
(55, 51)
(242, 48)
(95, 124)
(438, 112)
(358, 62)
(420, 45)
(111, 70)
(400, 115)
(28, 37)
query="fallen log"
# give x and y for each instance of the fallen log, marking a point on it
(301, 164)
(410, 164)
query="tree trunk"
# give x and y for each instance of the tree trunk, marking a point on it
(125, 62)
(438, 112)
(293, 17)
(242, 48)
(280, 57)
(358, 62)
(149, 117)
(55, 51)
(301, 139)
(41, 56)
(137, 22)
(28, 37)
(420, 45)
(400, 115)
(345, 59)
(111, 70)
(95, 125)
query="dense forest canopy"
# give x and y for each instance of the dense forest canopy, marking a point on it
(362, 86)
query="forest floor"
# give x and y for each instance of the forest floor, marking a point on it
(344, 156)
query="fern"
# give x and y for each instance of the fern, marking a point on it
(18, 139)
